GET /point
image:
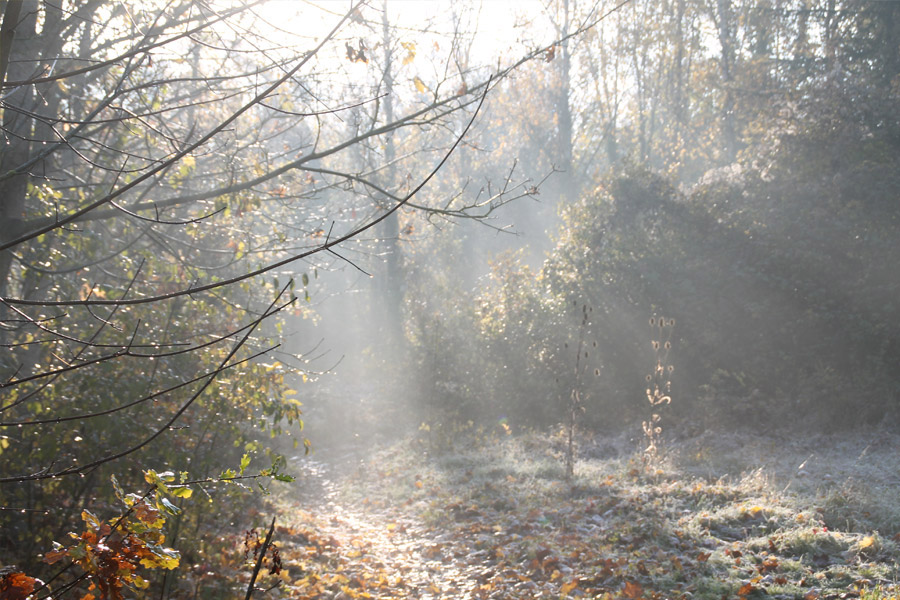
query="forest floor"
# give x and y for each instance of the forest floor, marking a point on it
(493, 518)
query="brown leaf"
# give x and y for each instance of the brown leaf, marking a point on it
(16, 586)
(54, 556)
(633, 590)
(769, 564)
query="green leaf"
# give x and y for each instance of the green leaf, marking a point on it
(170, 508)
(116, 487)
(245, 462)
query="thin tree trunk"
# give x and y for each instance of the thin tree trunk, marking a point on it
(391, 291)
(564, 115)
(726, 64)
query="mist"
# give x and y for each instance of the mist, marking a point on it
(472, 300)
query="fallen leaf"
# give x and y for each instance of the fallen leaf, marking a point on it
(568, 587)
(633, 590)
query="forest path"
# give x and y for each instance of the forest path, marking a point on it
(497, 521)
(334, 547)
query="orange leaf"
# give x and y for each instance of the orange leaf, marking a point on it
(703, 557)
(16, 586)
(746, 589)
(633, 590)
(568, 587)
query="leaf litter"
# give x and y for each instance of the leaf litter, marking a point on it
(498, 521)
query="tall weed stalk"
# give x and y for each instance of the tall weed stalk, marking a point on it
(659, 387)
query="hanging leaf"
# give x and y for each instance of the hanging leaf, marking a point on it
(16, 586)
(410, 48)
(420, 86)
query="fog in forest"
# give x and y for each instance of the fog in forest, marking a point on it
(480, 299)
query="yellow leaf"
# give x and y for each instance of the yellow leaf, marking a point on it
(181, 492)
(420, 86)
(410, 48)
(568, 587)
(866, 542)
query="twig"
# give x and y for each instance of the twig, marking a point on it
(259, 561)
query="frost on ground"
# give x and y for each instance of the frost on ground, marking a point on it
(717, 517)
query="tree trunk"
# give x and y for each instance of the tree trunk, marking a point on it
(391, 288)
(564, 116)
(17, 52)
(726, 64)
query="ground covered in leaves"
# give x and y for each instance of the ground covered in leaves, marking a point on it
(493, 518)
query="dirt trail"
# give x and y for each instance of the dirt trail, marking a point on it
(498, 522)
(366, 549)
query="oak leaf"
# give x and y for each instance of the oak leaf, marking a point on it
(16, 586)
